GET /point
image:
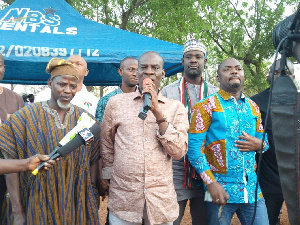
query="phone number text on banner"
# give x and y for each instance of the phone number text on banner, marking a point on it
(31, 51)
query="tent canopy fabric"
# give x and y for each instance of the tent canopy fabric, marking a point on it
(34, 31)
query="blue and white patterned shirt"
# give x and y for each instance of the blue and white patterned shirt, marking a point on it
(216, 123)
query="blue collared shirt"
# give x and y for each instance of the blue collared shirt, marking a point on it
(216, 123)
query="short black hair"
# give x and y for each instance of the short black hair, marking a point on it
(126, 58)
(30, 97)
(155, 53)
(219, 66)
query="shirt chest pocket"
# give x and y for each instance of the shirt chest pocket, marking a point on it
(250, 124)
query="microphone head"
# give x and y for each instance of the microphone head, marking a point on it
(290, 27)
(295, 20)
(77, 141)
(280, 31)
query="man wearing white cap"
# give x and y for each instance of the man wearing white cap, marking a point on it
(190, 89)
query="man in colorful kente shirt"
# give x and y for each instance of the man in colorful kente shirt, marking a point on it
(190, 89)
(225, 133)
(66, 194)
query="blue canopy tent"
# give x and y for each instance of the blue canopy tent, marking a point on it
(34, 31)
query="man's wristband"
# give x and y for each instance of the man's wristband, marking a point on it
(163, 119)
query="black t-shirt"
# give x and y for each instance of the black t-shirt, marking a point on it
(269, 177)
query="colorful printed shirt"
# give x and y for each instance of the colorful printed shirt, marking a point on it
(216, 123)
(103, 102)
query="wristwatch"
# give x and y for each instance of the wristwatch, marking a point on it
(163, 119)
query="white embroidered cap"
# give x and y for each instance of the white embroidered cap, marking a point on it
(193, 44)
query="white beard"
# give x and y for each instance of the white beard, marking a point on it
(63, 106)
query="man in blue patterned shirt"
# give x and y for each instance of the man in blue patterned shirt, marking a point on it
(225, 133)
(127, 70)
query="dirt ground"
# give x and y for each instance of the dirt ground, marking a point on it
(187, 218)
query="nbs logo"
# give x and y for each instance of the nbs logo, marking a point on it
(24, 19)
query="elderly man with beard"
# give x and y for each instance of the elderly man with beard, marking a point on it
(189, 90)
(64, 195)
(83, 97)
(225, 133)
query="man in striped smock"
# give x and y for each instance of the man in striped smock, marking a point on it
(66, 194)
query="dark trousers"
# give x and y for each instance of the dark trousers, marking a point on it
(2, 190)
(273, 203)
(197, 209)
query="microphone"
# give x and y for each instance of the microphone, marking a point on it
(79, 140)
(288, 28)
(84, 136)
(296, 20)
(147, 102)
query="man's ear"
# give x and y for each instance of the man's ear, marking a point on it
(182, 60)
(163, 74)
(86, 72)
(120, 71)
(218, 78)
(49, 82)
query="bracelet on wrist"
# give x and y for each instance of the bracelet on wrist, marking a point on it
(163, 119)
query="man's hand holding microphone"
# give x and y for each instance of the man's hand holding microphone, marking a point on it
(150, 88)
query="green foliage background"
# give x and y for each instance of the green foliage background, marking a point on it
(229, 28)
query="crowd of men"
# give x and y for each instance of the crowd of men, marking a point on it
(198, 144)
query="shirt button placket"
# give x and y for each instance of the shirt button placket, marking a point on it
(146, 156)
